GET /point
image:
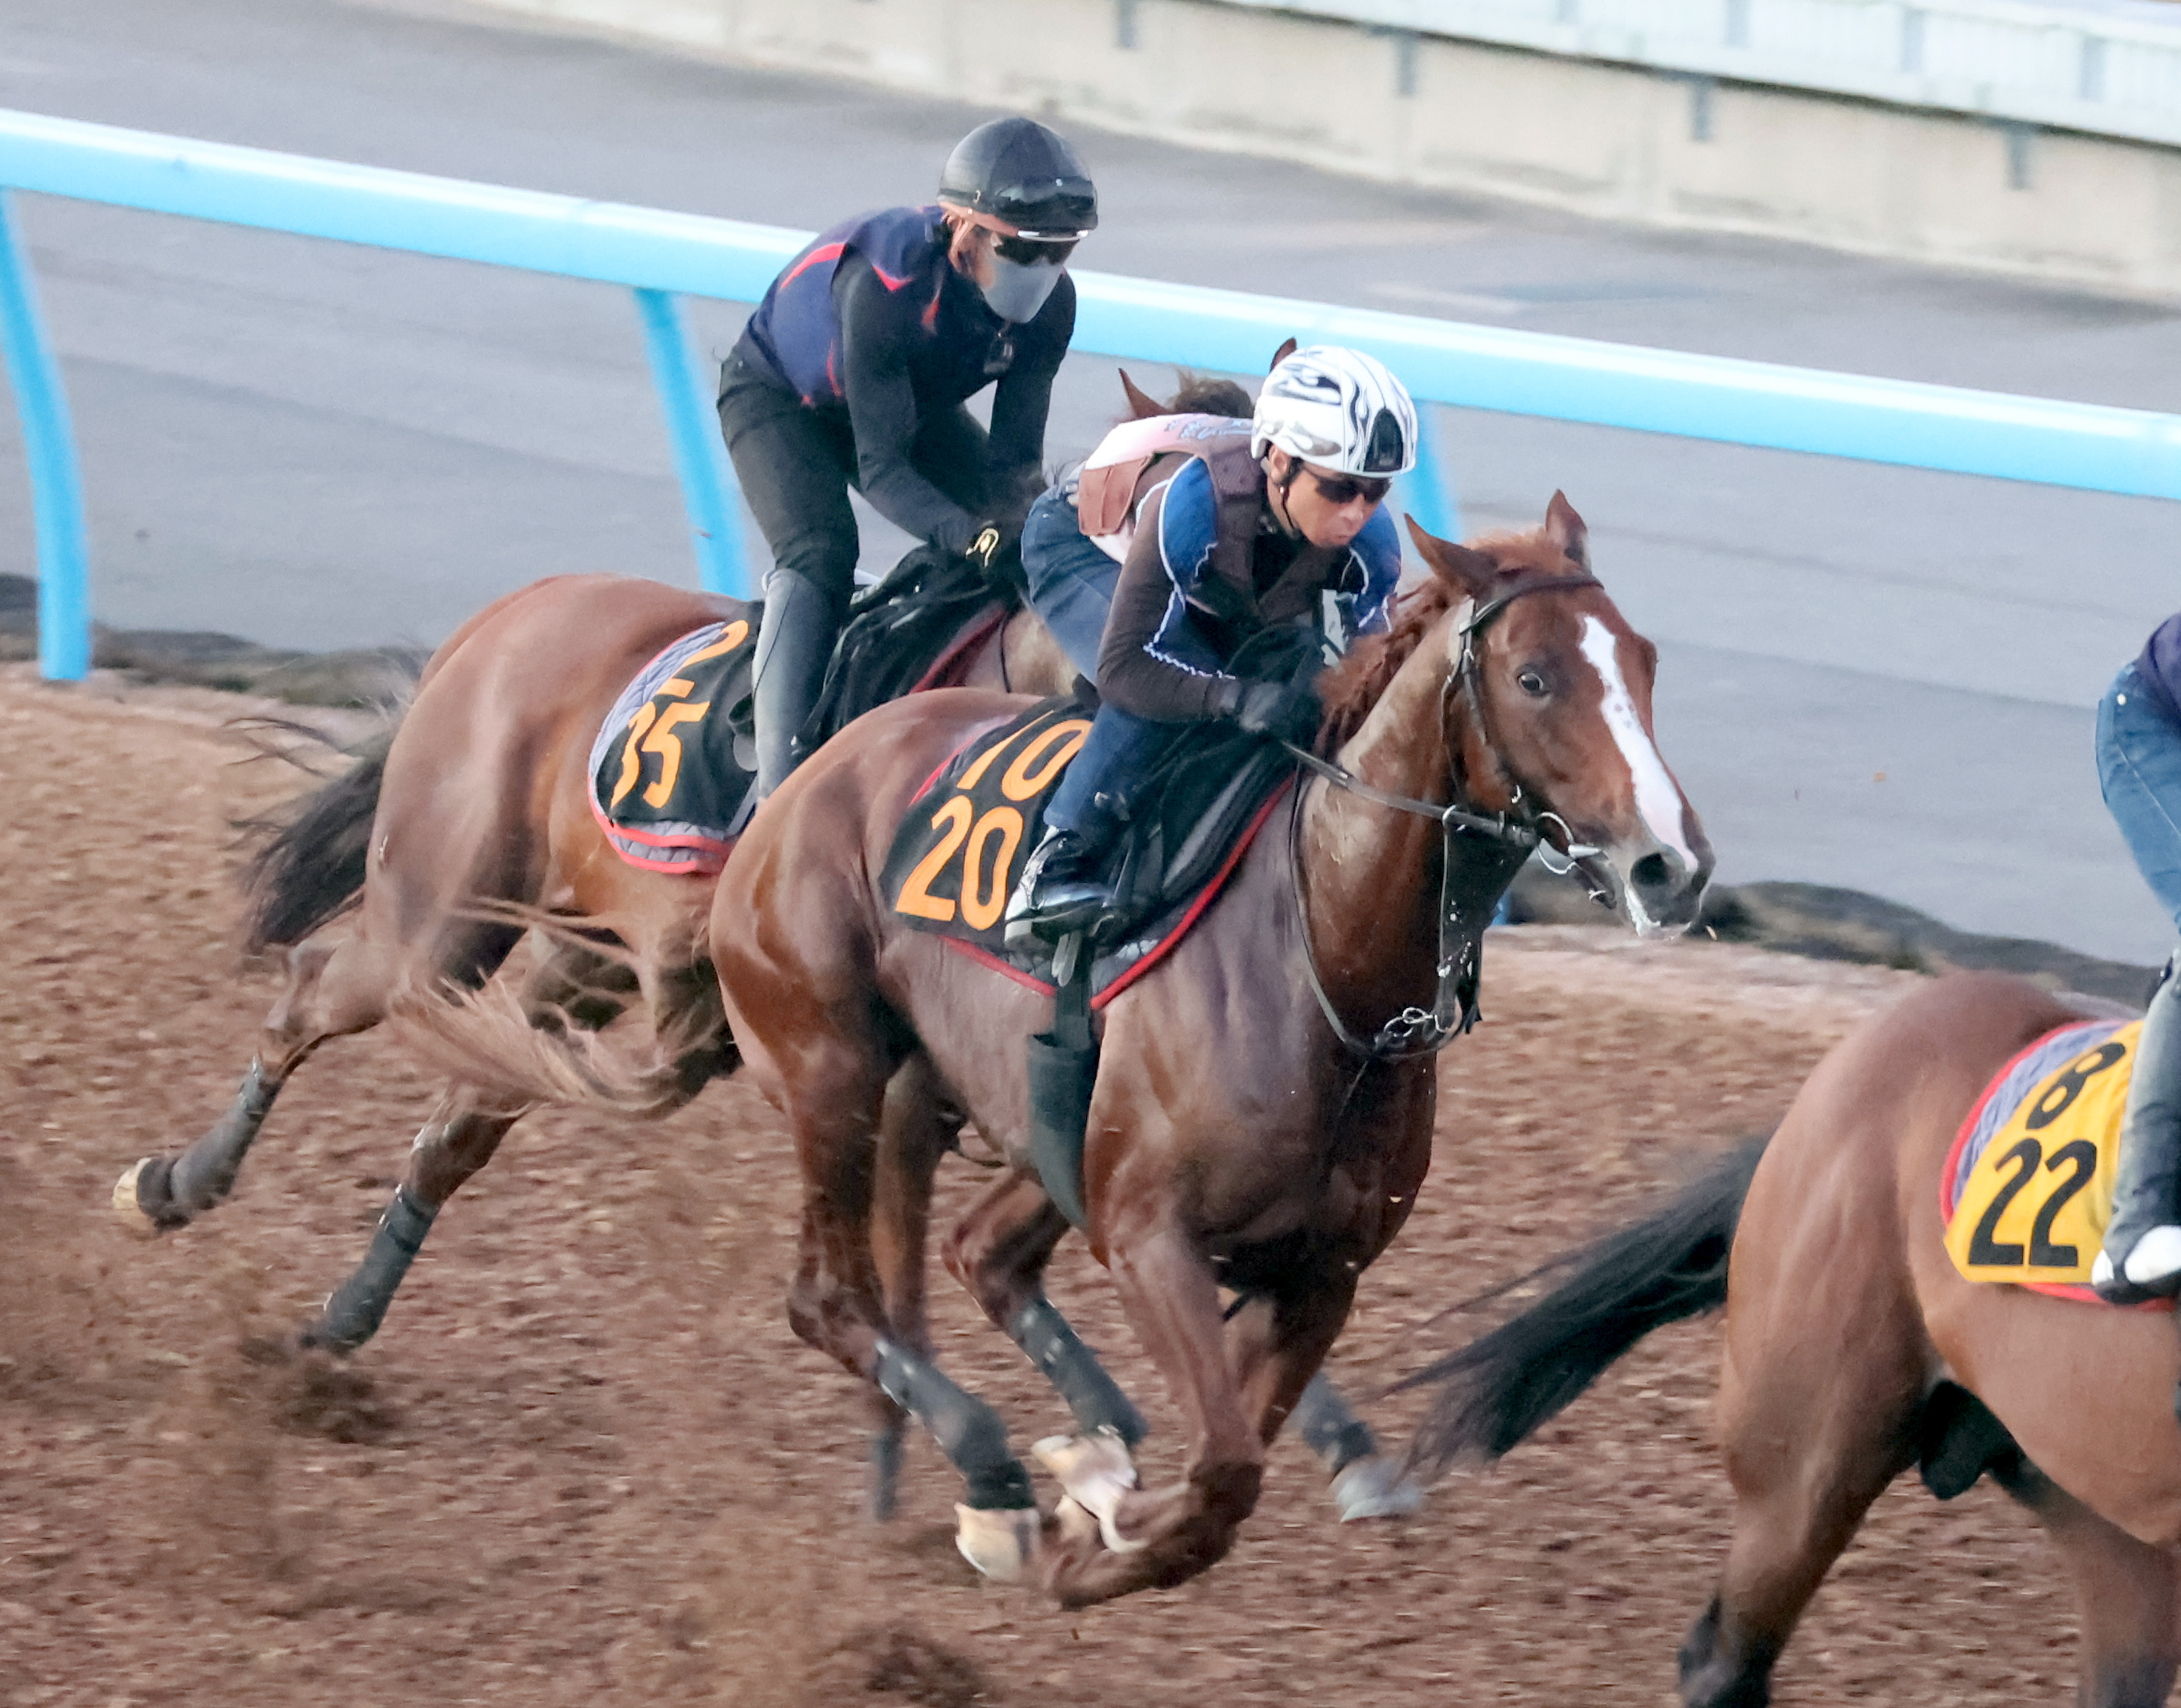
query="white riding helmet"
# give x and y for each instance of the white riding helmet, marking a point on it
(1339, 409)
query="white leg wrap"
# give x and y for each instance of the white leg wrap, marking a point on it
(1369, 1488)
(1096, 1472)
(1002, 1544)
(1078, 1522)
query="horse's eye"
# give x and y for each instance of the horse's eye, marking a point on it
(1531, 683)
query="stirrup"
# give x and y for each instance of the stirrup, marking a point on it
(1067, 908)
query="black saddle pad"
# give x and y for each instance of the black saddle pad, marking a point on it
(898, 629)
(666, 777)
(960, 848)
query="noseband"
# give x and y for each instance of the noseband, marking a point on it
(1497, 843)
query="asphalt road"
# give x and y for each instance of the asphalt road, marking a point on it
(1871, 677)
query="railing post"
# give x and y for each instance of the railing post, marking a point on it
(49, 447)
(708, 492)
(1429, 494)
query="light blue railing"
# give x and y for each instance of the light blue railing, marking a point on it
(659, 255)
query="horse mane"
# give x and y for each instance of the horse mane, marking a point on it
(1352, 688)
(1205, 394)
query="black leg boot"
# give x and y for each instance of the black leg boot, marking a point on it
(2142, 1254)
(794, 644)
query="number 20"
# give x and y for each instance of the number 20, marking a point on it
(981, 903)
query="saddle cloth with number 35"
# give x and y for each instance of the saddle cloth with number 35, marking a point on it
(666, 779)
(2028, 1187)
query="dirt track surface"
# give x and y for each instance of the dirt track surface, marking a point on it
(586, 1462)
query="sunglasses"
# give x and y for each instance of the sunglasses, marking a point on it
(1341, 490)
(1030, 251)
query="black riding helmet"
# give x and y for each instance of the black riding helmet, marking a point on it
(1017, 171)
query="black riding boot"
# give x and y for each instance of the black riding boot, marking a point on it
(2142, 1254)
(1063, 889)
(794, 644)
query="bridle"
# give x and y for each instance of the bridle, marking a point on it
(1496, 845)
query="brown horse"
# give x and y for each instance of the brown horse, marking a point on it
(1235, 1141)
(1855, 1349)
(470, 815)
(478, 798)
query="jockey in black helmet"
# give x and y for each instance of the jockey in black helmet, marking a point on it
(853, 370)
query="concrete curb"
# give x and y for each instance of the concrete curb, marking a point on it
(1602, 140)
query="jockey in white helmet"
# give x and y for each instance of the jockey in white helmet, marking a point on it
(1220, 611)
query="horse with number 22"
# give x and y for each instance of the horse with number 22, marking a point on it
(1240, 1139)
(1856, 1347)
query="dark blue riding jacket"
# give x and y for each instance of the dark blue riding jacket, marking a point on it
(872, 322)
(2159, 667)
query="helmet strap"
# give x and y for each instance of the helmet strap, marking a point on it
(1284, 486)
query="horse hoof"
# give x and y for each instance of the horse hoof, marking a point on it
(1077, 1522)
(128, 1206)
(1096, 1473)
(1369, 1488)
(1002, 1544)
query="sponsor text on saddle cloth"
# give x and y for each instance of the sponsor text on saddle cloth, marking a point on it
(2028, 1186)
(960, 848)
(665, 781)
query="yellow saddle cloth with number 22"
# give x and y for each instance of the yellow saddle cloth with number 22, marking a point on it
(2028, 1185)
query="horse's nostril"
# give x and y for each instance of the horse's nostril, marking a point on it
(1651, 872)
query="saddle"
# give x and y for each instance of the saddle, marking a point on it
(674, 760)
(958, 851)
(902, 635)
(2027, 1187)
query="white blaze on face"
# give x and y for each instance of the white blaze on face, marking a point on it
(1658, 801)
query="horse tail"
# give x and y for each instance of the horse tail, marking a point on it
(308, 866)
(1496, 1391)
(520, 1047)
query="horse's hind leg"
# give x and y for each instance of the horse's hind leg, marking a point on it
(915, 1131)
(455, 1143)
(838, 1304)
(2128, 1599)
(1818, 1406)
(334, 990)
(573, 987)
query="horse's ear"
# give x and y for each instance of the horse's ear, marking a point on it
(1470, 572)
(1281, 355)
(1565, 528)
(1140, 405)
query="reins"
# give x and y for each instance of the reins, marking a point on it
(1416, 1032)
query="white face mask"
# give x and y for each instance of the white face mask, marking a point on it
(1019, 288)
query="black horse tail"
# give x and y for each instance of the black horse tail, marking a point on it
(308, 865)
(1496, 1391)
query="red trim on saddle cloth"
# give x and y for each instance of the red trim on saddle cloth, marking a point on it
(1158, 950)
(949, 669)
(1952, 1167)
(714, 852)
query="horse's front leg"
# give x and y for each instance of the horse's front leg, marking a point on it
(998, 1251)
(1169, 1535)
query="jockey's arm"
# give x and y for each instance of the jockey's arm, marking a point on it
(883, 414)
(1014, 457)
(1130, 675)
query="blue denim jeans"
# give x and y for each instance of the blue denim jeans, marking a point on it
(1071, 581)
(2139, 770)
(1119, 750)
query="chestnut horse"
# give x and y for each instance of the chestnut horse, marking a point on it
(1235, 1141)
(480, 799)
(1854, 1350)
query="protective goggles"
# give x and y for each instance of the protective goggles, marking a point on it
(1340, 491)
(1027, 250)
